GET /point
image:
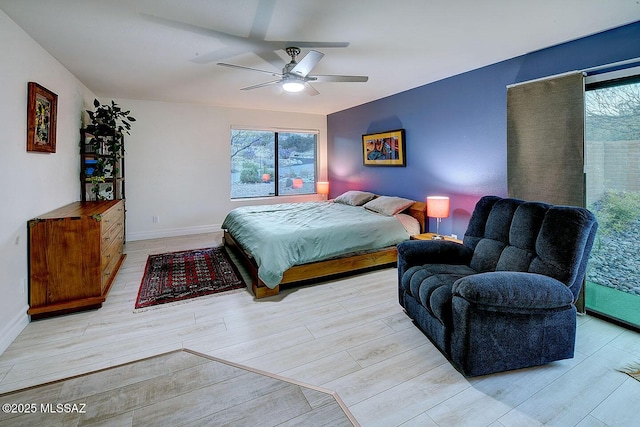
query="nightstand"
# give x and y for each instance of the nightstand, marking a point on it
(429, 236)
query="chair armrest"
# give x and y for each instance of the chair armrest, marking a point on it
(509, 289)
(420, 252)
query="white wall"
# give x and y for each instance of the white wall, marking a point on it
(178, 164)
(30, 183)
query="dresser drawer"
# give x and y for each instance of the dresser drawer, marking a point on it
(113, 248)
(111, 256)
(109, 270)
(111, 217)
(115, 232)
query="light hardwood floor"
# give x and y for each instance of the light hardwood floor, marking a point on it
(179, 388)
(349, 336)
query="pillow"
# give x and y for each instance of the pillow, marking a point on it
(409, 223)
(354, 198)
(388, 205)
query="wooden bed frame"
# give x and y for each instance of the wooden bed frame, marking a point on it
(322, 269)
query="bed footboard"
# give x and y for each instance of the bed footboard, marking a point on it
(315, 270)
(260, 290)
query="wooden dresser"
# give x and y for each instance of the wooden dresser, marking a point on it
(75, 253)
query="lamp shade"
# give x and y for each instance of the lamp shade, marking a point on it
(437, 207)
(322, 187)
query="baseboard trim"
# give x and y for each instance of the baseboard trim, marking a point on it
(173, 232)
(13, 328)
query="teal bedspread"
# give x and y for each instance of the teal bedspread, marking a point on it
(283, 235)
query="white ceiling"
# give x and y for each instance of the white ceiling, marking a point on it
(154, 49)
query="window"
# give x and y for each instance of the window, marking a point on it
(271, 163)
(612, 147)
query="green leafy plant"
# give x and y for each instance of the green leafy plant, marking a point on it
(109, 121)
(617, 211)
(95, 187)
(108, 124)
(250, 173)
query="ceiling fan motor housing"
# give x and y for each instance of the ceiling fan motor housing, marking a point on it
(293, 52)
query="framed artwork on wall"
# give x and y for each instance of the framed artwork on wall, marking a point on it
(42, 109)
(384, 149)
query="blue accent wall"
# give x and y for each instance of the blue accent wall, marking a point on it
(456, 128)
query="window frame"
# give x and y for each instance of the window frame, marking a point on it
(276, 131)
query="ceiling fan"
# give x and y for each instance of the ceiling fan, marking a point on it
(295, 75)
(256, 41)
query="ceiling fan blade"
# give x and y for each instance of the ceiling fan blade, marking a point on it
(262, 19)
(271, 57)
(258, 31)
(316, 44)
(240, 67)
(307, 63)
(261, 85)
(324, 79)
(197, 29)
(310, 90)
(218, 55)
(254, 42)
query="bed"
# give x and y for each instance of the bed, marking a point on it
(290, 243)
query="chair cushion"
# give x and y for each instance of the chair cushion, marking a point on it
(561, 242)
(531, 237)
(513, 290)
(431, 285)
(495, 235)
(487, 254)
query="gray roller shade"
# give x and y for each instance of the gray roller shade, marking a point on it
(545, 140)
(545, 143)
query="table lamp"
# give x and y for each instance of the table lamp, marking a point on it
(322, 188)
(438, 208)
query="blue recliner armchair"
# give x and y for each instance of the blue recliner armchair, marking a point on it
(505, 298)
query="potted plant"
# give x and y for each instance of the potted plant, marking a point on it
(108, 124)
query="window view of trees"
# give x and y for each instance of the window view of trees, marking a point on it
(266, 163)
(612, 148)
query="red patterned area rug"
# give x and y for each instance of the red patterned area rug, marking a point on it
(177, 276)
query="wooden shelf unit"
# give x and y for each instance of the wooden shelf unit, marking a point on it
(95, 162)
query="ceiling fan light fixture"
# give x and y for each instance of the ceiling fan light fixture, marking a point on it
(295, 75)
(292, 85)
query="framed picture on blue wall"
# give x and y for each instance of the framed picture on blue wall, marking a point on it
(384, 149)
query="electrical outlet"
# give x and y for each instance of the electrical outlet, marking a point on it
(156, 219)
(455, 236)
(25, 285)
